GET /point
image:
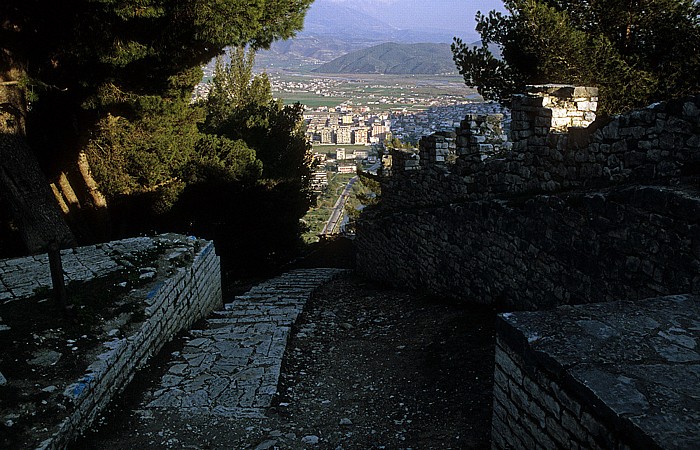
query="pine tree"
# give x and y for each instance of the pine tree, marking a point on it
(241, 112)
(635, 51)
(83, 61)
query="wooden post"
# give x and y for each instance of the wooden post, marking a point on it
(59, 286)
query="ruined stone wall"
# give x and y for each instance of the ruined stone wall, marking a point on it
(550, 151)
(593, 214)
(539, 252)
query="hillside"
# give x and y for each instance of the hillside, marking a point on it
(393, 58)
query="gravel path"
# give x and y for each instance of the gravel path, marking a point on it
(365, 368)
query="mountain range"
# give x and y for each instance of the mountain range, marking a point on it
(395, 58)
(332, 30)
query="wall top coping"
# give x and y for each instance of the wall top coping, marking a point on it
(637, 362)
(561, 90)
(22, 277)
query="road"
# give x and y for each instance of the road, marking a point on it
(337, 213)
(336, 218)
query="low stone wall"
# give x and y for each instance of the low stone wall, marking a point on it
(186, 286)
(617, 375)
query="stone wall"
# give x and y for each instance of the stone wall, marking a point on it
(539, 252)
(185, 286)
(173, 304)
(592, 214)
(531, 410)
(653, 144)
(615, 375)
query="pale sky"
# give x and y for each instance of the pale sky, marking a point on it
(444, 15)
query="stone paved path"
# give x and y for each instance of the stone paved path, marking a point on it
(231, 366)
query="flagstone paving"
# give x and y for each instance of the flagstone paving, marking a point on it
(231, 366)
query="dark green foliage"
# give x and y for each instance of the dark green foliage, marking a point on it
(220, 158)
(84, 59)
(146, 150)
(636, 52)
(241, 180)
(114, 78)
(137, 45)
(249, 183)
(241, 107)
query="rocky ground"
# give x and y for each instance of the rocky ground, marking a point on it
(366, 367)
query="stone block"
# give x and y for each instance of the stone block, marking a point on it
(558, 113)
(571, 424)
(557, 432)
(565, 400)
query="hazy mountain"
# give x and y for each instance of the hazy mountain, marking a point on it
(394, 58)
(333, 19)
(332, 30)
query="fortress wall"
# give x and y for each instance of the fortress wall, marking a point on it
(555, 145)
(593, 214)
(542, 251)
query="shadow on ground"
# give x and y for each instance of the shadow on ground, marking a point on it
(366, 367)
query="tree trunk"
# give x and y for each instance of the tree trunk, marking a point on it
(31, 202)
(23, 186)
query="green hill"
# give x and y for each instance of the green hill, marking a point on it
(392, 58)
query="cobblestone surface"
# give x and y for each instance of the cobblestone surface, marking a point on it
(231, 366)
(365, 367)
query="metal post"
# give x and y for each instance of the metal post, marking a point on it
(59, 286)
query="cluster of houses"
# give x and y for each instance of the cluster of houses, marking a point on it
(344, 162)
(345, 127)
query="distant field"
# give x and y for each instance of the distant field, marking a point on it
(368, 89)
(330, 148)
(311, 100)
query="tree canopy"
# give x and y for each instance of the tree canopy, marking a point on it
(635, 51)
(114, 77)
(234, 167)
(81, 59)
(83, 46)
(240, 108)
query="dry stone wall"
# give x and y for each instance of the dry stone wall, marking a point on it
(174, 303)
(606, 212)
(654, 144)
(539, 252)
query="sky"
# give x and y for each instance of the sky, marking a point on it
(443, 15)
